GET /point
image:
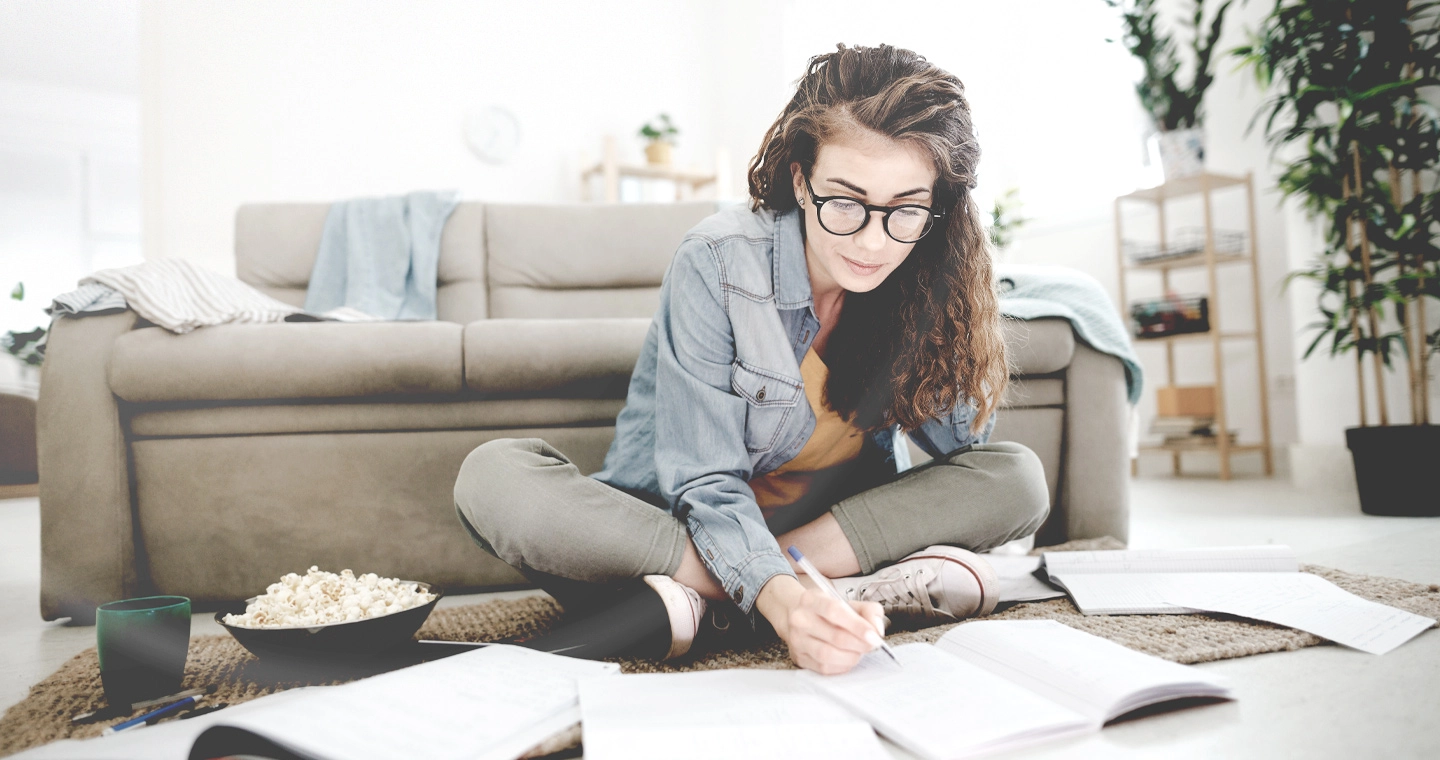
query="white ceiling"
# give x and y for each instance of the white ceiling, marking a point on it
(83, 44)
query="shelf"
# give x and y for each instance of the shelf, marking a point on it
(1191, 336)
(1192, 446)
(694, 178)
(1183, 187)
(1196, 259)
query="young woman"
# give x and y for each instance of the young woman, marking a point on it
(795, 339)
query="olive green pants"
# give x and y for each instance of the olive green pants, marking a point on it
(580, 539)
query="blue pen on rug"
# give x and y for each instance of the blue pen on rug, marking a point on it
(824, 583)
(166, 710)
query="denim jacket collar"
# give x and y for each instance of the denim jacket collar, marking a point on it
(791, 275)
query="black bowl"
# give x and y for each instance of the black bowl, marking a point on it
(353, 639)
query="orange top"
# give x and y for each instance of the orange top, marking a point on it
(834, 442)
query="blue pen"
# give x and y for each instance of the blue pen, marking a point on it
(140, 721)
(824, 583)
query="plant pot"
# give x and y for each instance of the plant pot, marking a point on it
(1395, 469)
(657, 153)
(1182, 153)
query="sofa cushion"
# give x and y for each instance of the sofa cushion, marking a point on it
(585, 357)
(582, 259)
(1038, 346)
(287, 360)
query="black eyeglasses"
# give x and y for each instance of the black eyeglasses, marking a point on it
(843, 215)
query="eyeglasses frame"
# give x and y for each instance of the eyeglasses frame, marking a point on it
(869, 209)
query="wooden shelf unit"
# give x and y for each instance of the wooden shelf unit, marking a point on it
(611, 171)
(1209, 259)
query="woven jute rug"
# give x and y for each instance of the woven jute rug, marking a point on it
(44, 715)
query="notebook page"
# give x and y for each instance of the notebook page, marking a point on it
(1125, 593)
(939, 706)
(1275, 558)
(1089, 674)
(472, 705)
(1304, 601)
(739, 713)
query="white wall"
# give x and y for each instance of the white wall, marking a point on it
(283, 101)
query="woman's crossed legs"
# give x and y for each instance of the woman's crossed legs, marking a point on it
(586, 542)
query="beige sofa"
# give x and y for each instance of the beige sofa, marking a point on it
(211, 463)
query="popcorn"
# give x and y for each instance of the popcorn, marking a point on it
(321, 598)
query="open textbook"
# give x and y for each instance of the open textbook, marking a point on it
(985, 686)
(1258, 582)
(493, 703)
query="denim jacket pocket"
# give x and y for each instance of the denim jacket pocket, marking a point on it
(770, 398)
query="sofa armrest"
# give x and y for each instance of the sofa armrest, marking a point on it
(1095, 486)
(552, 355)
(87, 544)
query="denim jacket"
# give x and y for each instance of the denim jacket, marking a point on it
(716, 397)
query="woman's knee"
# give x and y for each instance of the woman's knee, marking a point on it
(1018, 476)
(1002, 487)
(485, 492)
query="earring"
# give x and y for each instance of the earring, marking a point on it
(800, 201)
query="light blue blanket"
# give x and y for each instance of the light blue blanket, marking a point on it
(1034, 292)
(381, 255)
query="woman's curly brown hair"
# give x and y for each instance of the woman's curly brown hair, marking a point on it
(929, 336)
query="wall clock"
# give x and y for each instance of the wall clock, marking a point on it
(492, 133)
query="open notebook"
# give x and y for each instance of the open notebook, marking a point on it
(985, 686)
(1134, 581)
(988, 686)
(493, 703)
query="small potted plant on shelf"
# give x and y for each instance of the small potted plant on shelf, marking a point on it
(1175, 108)
(660, 133)
(1348, 76)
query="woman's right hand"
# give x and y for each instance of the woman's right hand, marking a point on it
(822, 634)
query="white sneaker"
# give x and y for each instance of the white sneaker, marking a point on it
(686, 608)
(936, 584)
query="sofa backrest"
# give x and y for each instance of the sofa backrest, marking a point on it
(498, 259)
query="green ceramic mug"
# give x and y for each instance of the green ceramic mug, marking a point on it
(142, 645)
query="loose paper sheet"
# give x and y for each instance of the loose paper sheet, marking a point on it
(720, 714)
(1300, 600)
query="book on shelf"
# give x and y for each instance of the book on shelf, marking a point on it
(1181, 425)
(1199, 438)
(1188, 241)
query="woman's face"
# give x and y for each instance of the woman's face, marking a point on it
(873, 169)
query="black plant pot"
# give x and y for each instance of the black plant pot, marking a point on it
(1397, 468)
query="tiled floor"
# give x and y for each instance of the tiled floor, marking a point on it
(1318, 702)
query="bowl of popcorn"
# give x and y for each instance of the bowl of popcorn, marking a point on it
(331, 614)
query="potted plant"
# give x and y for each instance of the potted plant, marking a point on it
(28, 346)
(1348, 76)
(661, 136)
(1175, 108)
(1005, 219)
